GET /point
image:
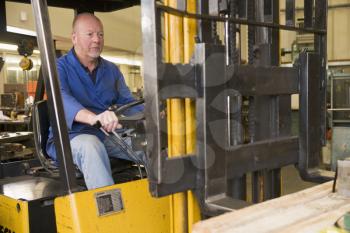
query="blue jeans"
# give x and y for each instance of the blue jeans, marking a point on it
(92, 158)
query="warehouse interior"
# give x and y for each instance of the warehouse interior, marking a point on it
(245, 123)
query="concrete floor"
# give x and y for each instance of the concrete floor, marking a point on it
(291, 181)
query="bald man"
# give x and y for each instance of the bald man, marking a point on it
(89, 85)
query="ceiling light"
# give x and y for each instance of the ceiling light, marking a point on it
(122, 61)
(10, 47)
(20, 31)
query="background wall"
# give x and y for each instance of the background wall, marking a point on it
(122, 35)
(338, 29)
(122, 28)
(123, 31)
(2, 79)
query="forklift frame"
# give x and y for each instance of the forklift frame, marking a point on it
(218, 81)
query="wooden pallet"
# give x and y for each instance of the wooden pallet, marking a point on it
(310, 210)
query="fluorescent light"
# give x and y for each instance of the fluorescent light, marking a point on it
(12, 60)
(123, 61)
(13, 68)
(11, 47)
(21, 31)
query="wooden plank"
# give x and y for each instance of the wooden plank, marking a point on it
(310, 210)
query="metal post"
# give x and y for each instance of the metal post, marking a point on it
(267, 108)
(235, 187)
(290, 12)
(321, 49)
(308, 13)
(2, 16)
(56, 111)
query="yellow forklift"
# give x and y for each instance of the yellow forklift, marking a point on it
(30, 203)
(210, 124)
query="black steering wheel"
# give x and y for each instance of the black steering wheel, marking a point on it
(119, 111)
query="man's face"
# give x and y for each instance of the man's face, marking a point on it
(87, 38)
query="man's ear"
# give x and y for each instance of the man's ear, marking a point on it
(74, 38)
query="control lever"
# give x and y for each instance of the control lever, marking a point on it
(118, 141)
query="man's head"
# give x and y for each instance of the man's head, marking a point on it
(87, 36)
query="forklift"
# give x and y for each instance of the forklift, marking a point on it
(225, 122)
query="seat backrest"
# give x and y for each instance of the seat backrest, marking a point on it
(41, 125)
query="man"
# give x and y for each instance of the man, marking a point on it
(89, 85)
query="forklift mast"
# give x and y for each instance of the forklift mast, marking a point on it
(242, 111)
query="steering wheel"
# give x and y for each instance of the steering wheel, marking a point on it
(119, 110)
(124, 107)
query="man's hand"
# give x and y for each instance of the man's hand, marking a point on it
(108, 120)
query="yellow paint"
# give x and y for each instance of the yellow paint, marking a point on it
(176, 39)
(189, 32)
(190, 110)
(168, 110)
(171, 208)
(193, 210)
(176, 117)
(179, 47)
(166, 35)
(334, 230)
(189, 35)
(178, 201)
(78, 212)
(179, 206)
(178, 127)
(13, 218)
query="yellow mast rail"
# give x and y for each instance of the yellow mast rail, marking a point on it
(179, 47)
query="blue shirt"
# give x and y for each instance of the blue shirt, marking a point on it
(79, 91)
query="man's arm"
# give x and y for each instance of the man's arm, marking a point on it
(74, 111)
(85, 116)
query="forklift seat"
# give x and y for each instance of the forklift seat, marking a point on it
(41, 125)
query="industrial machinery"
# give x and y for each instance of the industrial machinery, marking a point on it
(303, 41)
(211, 123)
(16, 153)
(1, 63)
(339, 117)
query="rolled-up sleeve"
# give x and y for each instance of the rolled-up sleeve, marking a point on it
(70, 104)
